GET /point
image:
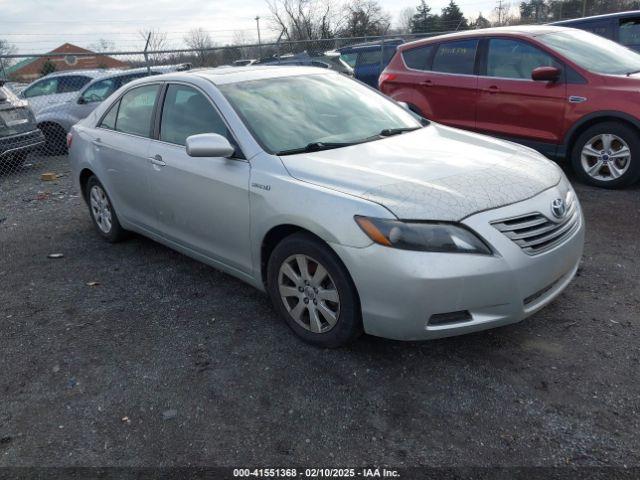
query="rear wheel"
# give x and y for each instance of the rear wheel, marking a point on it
(313, 291)
(55, 139)
(607, 155)
(102, 213)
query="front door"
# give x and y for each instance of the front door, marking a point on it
(510, 103)
(201, 203)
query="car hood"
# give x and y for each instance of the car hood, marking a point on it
(435, 173)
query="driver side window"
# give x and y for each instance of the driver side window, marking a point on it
(515, 59)
(47, 86)
(99, 91)
(188, 112)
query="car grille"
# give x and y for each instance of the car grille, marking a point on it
(535, 233)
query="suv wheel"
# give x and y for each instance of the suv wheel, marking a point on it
(55, 139)
(102, 213)
(607, 155)
(313, 291)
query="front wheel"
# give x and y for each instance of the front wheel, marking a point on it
(607, 155)
(313, 291)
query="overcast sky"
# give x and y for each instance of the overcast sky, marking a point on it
(41, 25)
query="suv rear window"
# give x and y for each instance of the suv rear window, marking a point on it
(418, 58)
(456, 57)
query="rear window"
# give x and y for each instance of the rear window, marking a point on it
(456, 57)
(418, 58)
(630, 31)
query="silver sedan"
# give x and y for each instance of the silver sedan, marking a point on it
(351, 212)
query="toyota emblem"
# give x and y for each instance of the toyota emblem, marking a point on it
(558, 208)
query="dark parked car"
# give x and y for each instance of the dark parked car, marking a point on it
(329, 60)
(623, 27)
(365, 58)
(18, 131)
(563, 91)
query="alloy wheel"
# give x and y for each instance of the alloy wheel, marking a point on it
(101, 208)
(309, 293)
(606, 157)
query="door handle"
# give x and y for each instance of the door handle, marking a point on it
(96, 141)
(157, 160)
(493, 89)
(427, 83)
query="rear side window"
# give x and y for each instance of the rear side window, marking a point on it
(418, 58)
(456, 57)
(136, 110)
(109, 120)
(370, 57)
(630, 31)
(47, 86)
(99, 90)
(72, 83)
(187, 112)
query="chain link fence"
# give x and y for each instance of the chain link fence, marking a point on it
(45, 94)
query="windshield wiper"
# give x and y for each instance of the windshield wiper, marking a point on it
(632, 73)
(387, 132)
(316, 147)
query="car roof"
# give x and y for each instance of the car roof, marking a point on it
(629, 13)
(230, 74)
(371, 45)
(66, 73)
(516, 31)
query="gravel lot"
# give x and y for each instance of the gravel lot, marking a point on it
(169, 362)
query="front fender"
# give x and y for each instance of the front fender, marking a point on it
(63, 119)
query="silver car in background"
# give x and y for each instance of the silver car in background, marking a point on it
(349, 211)
(57, 118)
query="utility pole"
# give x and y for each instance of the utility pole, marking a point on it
(584, 8)
(259, 40)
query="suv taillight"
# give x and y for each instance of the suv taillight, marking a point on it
(69, 139)
(386, 77)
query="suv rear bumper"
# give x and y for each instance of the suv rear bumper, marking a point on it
(21, 143)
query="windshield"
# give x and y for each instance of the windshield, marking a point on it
(593, 52)
(293, 112)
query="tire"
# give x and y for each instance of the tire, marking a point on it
(103, 214)
(55, 139)
(590, 151)
(320, 295)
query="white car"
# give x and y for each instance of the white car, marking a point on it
(341, 204)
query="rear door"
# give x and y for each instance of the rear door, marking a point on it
(451, 84)
(510, 103)
(121, 145)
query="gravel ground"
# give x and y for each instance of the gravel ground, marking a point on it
(169, 362)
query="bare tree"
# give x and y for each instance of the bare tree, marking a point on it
(200, 42)
(6, 48)
(502, 14)
(305, 19)
(365, 17)
(405, 19)
(157, 41)
(103, 45)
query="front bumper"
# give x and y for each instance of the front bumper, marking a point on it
(401, 290)
(21, 143)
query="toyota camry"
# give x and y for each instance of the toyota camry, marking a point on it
(351, 212)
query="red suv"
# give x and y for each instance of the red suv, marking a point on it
(564, 92)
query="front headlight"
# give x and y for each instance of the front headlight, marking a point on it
(422, 236)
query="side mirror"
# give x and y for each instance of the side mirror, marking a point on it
(82, 101)
(546, 74)
(209, 145)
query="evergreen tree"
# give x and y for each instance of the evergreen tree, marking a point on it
(47, 67)
(424, 21)
(452, 18)
(480, 22)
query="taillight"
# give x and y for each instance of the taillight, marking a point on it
(386, 77)
(69, 139)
